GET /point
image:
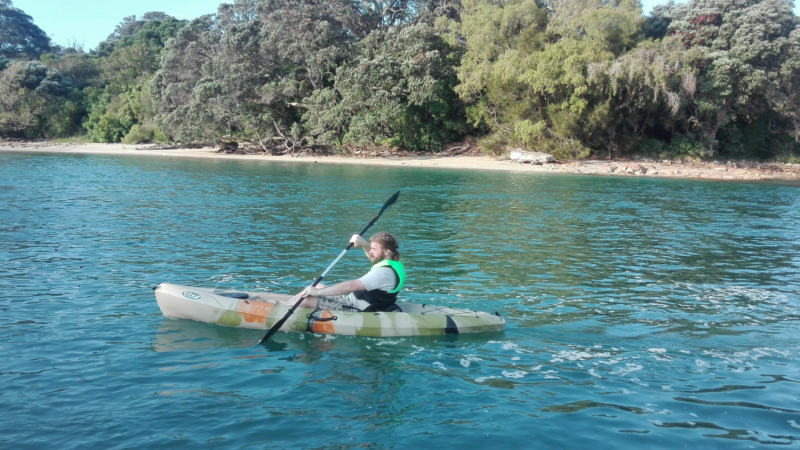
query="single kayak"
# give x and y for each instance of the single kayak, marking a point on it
(261, 310)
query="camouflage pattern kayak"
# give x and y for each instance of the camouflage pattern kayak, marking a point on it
(260, 310)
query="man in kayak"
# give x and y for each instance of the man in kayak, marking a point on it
(375, 291)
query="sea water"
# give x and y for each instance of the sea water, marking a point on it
(641, 313)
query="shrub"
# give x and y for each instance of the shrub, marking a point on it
(139, 134)
(144, 134)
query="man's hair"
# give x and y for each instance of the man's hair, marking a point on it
(388, 242)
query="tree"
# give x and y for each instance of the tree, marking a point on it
(17, 113)
(748, 64)
(19, 36)
(656, 25)
(128, 61)
(244, 73)
(398, 90)
(155, 28)
(785, 98)
(36, 101)
(386, 14)
(525, 73)
(82, 69)
(648, 90)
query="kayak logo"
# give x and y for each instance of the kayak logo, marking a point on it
(191, 295)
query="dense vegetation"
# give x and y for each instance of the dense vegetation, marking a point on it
(575, 78)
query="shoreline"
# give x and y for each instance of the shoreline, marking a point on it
(730, 171)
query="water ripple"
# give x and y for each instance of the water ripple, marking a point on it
(641, 313)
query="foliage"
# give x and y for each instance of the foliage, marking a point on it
(784, 96)
(648, 87)
(397, 89)
(756, 140)
(746, 50)
(19, 36)
(80, 68)
(788, 157)
(153, 30)
(525, 70)
(386, 14)
(112, 116)
(17, 106)
(245, 73)
(576, 78)
(143, 134)
(656, 25)
(36, 101)
(132, 54)
(129, 59)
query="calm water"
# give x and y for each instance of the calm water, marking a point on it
(641, 313)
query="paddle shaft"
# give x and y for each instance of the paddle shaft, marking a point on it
(286, 316)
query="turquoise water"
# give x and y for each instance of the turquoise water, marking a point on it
(641, 313)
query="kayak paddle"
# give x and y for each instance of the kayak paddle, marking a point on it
(279, 323)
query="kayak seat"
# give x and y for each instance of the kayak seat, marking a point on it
(394, 307)
(237, 295)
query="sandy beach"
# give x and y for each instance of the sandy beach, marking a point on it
(663, 169)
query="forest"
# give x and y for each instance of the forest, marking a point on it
(705, 79)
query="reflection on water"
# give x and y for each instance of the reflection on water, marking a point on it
(185, 335)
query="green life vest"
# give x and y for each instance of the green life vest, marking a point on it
(398, 269)
(382, 300)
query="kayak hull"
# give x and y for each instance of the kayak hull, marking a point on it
(261, 311)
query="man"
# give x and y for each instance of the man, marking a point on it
(375, 291)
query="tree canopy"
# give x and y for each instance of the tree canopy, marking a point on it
(397, 88)
(36, 100)
(244, 73)
(121, 105)
(526, 74)
(740, 51)
(19, 36)
(576, 78)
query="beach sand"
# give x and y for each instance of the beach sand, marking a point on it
(662, 169)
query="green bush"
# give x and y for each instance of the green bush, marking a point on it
(653, 148)
(492, 144)
(567, 149)
(683, 146)
(144, 134)
(788, 157)
(139, 134)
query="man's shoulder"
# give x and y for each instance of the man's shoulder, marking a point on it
(380, 271)
(379, 278)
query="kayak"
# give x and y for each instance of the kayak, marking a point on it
(261, 310)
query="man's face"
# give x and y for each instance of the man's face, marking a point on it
(376, 252)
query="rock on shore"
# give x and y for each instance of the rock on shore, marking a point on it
(536, 158)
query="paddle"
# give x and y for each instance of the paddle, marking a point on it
(279, 323)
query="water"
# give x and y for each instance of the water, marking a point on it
(641, 313)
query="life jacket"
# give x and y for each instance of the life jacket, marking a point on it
(382, 300)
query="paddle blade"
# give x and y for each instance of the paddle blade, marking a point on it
(273, 330)
(389, 202)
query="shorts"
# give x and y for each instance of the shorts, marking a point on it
(347, 302)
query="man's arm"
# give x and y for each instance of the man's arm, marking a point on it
(345, 287)
(359, 242)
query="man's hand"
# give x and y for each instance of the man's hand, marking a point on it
(359, 242)
(311, 291)
(345, 287)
